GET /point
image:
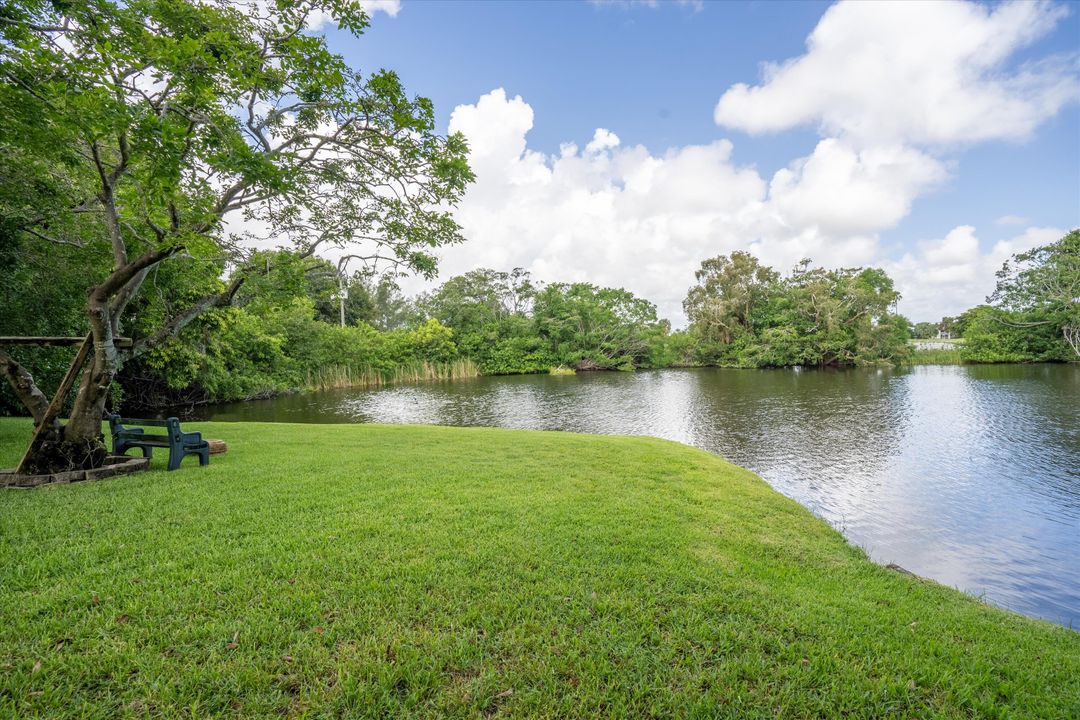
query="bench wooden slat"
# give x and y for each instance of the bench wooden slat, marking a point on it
(155, 440)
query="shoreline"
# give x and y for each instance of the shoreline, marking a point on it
(160, 410)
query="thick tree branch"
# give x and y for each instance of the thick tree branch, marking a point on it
(54, 240)
(22, 383)
(178, 322)
(1010, 323)
(1071, 333)
(124, 296)
(125, 274)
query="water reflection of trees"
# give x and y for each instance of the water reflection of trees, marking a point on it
(794, 427)
(1037, 407)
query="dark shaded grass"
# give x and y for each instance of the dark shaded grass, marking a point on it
(372, 571)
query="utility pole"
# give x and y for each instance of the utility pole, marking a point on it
(341, 297)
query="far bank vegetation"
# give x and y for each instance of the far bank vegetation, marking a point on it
(302, 326)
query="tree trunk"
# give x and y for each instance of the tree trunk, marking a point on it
(341, 298)
(80, 444)
(84, 424)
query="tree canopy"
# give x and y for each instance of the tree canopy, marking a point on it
(1042, 287)
(744, 313)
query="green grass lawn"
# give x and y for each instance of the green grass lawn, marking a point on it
(373, 571)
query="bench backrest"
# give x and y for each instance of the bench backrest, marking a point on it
(148, 423)
(117, 424)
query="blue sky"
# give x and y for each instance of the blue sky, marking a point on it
(652, 75)
(637, 70)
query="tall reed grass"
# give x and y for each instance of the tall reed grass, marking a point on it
(941, 356)
(337, 377)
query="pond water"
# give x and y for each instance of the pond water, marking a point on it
(966, 474)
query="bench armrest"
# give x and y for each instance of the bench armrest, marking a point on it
(129, 433)
(120, 432)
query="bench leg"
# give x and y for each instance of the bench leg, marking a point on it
(204, 456)
(175, 458)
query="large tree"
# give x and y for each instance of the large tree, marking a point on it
(590, 327)
(139, 130)
(728, 291)
(745, 313)
(480, 297)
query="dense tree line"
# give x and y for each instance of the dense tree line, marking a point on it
(507, 324)
(302, 323)
(286, 327)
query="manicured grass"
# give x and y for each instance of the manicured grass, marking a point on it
(372, 571)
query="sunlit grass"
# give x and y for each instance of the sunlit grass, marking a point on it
(373, 571)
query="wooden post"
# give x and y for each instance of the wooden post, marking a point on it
(57, 403)
(56, 341)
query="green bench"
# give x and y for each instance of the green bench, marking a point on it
(180, 443)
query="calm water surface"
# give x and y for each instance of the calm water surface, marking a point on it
(968, 475)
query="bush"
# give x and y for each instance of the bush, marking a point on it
(992, 335)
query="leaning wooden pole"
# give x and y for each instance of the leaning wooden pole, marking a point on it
(57, 403)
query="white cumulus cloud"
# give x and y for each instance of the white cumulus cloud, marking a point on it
(844, 192)
(945, 276)
(926, 73)
(602, 140)
(390, 7)
(321, 18)
(625, 217)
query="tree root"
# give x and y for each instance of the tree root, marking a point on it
(54, 456)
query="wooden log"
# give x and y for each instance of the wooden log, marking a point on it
(57, 403)
(217, 447)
